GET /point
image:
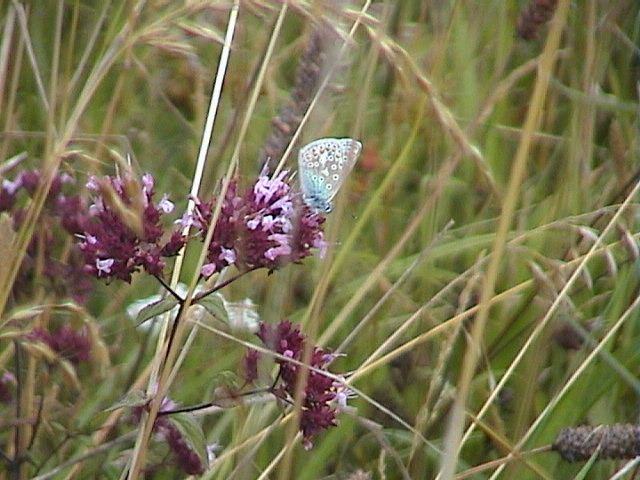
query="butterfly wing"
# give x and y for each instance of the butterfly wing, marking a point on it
(323, 165)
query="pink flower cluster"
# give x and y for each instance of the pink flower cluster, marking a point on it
(70, 344)
(111, 247)
(186, 458)
(262, 227)
(321, 392)
(61, 212)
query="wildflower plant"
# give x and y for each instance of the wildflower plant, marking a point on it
(95, 229)
(123, 230)
(475, 284)
(265, 226)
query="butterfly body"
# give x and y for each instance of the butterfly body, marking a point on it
(323, 166)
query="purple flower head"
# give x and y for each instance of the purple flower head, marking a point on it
(29, 180)
(264, 227)
(115, 245)
(61, 215)
(251, 366)
(7, 195)
(186, 458)
(314, 419)
(73, 213)
(70, 344)
(321, 392)
(7, 387)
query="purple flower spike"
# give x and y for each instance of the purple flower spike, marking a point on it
(251, 366)
(321, 392)
(186, 458)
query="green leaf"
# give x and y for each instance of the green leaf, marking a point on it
(193, 434)
(586, 469)
(226, 391)
(226, 378)
(134, 398)
(215, 305)
(226, 397)
(155, 309)
(243, 315)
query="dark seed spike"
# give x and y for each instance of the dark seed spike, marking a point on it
(618, 441)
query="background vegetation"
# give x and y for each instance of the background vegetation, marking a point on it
(482, 278)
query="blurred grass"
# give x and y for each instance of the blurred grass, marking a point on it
(438, 93)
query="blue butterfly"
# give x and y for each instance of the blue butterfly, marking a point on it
(323, 165)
